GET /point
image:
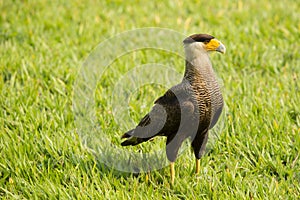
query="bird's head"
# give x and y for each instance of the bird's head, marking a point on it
(197, 44)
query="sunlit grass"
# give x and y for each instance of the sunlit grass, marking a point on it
(43, 45)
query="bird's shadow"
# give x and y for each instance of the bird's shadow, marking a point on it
(158, 177)
(155, 177)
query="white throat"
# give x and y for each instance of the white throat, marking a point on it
(196, 54)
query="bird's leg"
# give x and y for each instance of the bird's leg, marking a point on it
(199, 144)
(197, 166)
(172, 172)
(173, 144)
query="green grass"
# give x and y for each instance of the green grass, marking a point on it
(43, 45)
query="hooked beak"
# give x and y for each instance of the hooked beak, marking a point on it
(221, 48)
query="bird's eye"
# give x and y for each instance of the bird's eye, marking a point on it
(206, 41)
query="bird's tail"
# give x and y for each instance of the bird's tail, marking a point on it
(132, 140)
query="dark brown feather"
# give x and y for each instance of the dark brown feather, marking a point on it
(187, 110)
(198, 38)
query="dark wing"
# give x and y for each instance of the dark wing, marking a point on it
(165, 116)
(216, 116)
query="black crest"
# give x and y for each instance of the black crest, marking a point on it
(198, 38)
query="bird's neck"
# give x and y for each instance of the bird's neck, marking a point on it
(197, 63)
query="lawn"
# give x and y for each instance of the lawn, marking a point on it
(44, 45)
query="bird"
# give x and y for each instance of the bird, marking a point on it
(187, 110)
